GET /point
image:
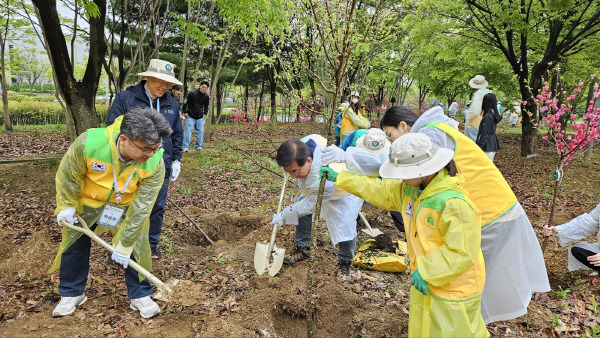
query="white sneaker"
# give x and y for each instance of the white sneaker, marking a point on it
(198, 148)
(67, 305)
(147, 307)
(185, 150)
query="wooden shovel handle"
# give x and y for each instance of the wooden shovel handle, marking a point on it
(85, 230)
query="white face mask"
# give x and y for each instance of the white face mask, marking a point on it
(354, 100)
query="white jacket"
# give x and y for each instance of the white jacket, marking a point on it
(340, 209)
(578, 228)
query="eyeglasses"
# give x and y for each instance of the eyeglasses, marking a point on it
(147, 150)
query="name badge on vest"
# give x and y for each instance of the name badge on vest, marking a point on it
(111, 215)
(99, 167)
(409, 209)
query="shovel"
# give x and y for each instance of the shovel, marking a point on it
(164, 289)
(373, 232)
(264, 251)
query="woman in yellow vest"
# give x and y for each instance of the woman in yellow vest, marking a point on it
(352, 117)
(514, 262)
(443, 234)
(110, 177)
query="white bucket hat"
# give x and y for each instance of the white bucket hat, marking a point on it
(374, 141)
(161, 69)
(478, 82)
(414, 155)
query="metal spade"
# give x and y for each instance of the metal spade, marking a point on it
(373, 232)
(267, 256)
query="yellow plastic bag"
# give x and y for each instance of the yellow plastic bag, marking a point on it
(369, 256)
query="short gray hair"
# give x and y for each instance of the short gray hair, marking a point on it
(145, 124)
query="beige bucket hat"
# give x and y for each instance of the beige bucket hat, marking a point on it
(478, 82)
(414, 155)
(161, 69)
(374, 141)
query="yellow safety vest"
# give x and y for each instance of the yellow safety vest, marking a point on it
(486, 186)
(101, 154)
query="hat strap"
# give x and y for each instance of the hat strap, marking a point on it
(414, 160)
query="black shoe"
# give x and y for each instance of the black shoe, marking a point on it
(299, 254)
(155, 253)
(343, 271)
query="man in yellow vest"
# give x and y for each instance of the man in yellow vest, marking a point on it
(110, 177)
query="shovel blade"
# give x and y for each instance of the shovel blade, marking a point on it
(164, 292)
(373, 232)
(265, 261)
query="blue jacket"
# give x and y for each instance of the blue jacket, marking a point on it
(135, 96)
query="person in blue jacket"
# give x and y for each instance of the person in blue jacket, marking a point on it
(154, 93)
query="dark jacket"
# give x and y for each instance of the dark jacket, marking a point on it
(196, 104)
(135, 96)
(486, 136)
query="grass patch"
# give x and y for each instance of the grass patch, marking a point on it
(44, 128)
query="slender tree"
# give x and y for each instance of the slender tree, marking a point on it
(532, 35)
(79, 96)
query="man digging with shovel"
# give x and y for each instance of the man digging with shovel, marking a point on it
(110, 177)
(301, 158)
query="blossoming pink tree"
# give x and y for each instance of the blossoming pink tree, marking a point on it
(558, 117)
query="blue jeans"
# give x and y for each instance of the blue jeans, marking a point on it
(75, 265)
(398, 221)
(190, 125)
(156, 216)
(302, 238)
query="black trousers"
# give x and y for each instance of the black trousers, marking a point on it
(582, 254)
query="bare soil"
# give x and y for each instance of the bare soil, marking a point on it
(221, 295)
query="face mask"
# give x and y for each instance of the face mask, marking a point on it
(354, 100)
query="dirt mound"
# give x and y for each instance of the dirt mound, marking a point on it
(30, 259)
(187, 293)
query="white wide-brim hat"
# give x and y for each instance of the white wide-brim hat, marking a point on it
(161, 69)
(374, 141)
(478, 82)
(414, 155)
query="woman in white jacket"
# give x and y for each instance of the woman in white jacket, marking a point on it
(582, 255)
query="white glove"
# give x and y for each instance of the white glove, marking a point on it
(278, 218)
(175, 170)
(68, 214)
(119, 258)
(332, 154)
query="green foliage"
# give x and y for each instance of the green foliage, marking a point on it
(546, 196)
(166, 241)
(562, 294)
(40, 113)
(593, 331)
(554, 321)
(53, 162)
(594, 306)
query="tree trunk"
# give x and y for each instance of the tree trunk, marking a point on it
(273, 91)
(216, 76)
(313, 96)
(79, 95)
(7, 122)
(589, 150)
(246, 100)
(219, 99)
(186, 48)
(260, 99)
